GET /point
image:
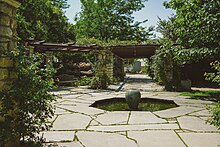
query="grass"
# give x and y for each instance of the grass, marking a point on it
(211, 95)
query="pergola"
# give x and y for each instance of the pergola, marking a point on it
(122, 51)
(134, 51)
(42, 46)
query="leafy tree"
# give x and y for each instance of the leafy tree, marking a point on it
(196, 29)
(44, 20)
(196, 22)
(110, 19)
(60, 4)
(166, 28)
(215, 76)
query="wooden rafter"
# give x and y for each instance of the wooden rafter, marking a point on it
(42, 46)
(122, 51)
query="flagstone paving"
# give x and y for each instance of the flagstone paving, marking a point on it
(77, 125)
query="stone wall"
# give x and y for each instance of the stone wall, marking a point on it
(7, 40)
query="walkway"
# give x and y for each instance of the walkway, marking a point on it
(77, 125)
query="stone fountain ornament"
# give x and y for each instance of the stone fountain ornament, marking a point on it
(133, 98)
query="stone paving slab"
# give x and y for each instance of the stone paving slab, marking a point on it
(201, 139)
(65, 144)
(144, 117)
(195, 124)
(192, 102)
(166, 95)
(203, 113)
(59, 111)
(80, 101)
(79, 125)
(66, 102)
(74, 103)
(71, 96)
(156, 138)
(96, 98)
(119, 128)
(71, 122)
(58, 136)
(82, 109)
(99, 139)
(176, 112)
(50, 120)
(94, 123)
(113, 118)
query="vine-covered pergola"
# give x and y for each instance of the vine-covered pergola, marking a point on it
(122, 51)
(114, 53)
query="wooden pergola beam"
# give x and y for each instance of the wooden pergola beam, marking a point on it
(42, 46)
(122, 51)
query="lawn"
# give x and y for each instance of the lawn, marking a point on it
(212, 95)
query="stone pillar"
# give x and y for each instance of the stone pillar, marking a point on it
(109, 66)
(7, 40)
(118, 68)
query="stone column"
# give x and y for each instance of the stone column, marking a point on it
(109, 65)
(7, 40)
(118, 68)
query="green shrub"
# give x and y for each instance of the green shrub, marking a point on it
(100, 81)
(215, 77)
(215, 118)
(26, 106)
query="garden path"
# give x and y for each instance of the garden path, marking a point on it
(75, 124)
